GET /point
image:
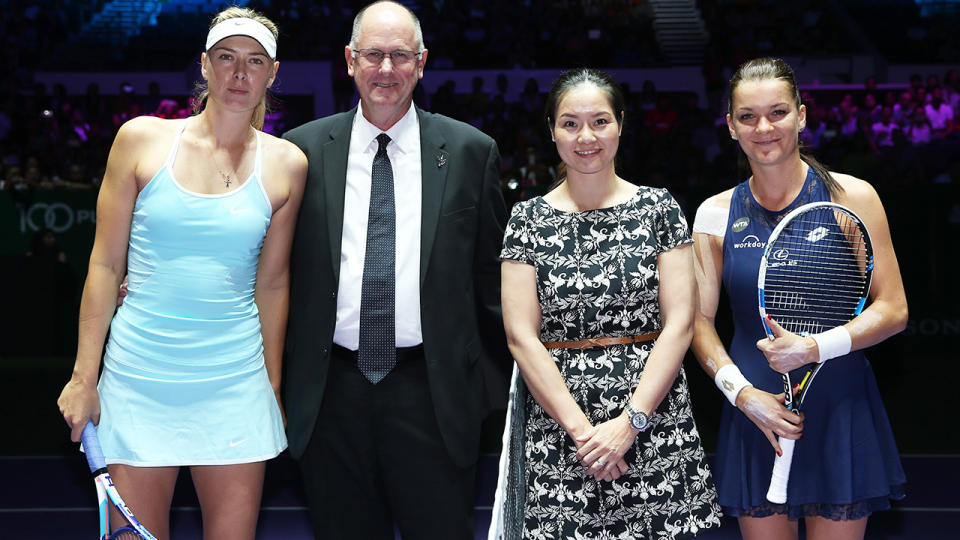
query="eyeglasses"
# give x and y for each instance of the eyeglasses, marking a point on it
(398, 57)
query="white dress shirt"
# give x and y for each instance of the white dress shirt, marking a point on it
(404, 153)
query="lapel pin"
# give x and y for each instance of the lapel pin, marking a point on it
(441, 160)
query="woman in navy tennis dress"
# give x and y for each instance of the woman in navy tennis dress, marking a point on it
(845, 464)
(199, 214)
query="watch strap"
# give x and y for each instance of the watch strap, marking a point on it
(632, 413)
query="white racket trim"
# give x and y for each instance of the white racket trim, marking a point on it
(105, 480)
(91, 446)
(781, 472)
(103, 509)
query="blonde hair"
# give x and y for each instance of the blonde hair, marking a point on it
(202, 91)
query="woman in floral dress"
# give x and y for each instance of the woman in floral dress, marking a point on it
(598, 302)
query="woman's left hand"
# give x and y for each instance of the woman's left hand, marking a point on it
(787, 351)
(601, 448)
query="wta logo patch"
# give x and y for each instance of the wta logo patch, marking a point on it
(817, 234)
(740, 224)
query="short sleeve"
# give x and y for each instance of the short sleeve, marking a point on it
(517, 243)
(672, 230)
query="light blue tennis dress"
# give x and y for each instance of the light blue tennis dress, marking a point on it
(184, 380)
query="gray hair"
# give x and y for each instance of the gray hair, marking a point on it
(417, 32)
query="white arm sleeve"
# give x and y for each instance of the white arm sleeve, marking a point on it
(711, 220)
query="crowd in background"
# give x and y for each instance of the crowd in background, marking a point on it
(888, 135)
(895, 135)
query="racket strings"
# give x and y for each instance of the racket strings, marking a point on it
(817, 275)
(842, 268)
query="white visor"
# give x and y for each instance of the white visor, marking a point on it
(243, 27)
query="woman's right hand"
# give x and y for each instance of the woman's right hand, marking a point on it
(78, 403)
(767, 411)
(609, 471)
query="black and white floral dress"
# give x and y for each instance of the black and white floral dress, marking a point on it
(597, 276)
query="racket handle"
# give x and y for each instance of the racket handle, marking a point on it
(91, 447)
(781, 472)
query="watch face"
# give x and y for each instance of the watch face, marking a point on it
(639, 421)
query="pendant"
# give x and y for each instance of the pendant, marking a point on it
(226, 180)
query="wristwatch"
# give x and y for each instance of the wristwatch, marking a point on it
(638, 420)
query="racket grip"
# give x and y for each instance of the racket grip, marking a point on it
(781, 472)
(91, 447)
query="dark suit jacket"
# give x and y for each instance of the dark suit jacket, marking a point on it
(463, 216)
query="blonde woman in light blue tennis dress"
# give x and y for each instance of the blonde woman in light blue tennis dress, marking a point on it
(200, 214)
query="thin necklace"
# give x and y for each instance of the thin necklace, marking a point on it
(226, 177)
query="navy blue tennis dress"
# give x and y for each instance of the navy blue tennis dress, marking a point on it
(846, 465)
(184, 381)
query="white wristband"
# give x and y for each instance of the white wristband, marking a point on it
(730, 381)
(833, 343)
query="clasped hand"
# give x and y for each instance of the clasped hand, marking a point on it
(767, 411)
(787, 351)
(601, 448)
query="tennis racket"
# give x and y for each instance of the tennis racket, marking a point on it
(106, 490)
(814, 275)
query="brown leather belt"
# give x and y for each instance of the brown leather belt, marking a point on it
(600, 341)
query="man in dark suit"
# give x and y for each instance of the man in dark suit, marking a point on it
(395, 297)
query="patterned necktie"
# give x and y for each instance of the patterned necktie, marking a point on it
(378, 352)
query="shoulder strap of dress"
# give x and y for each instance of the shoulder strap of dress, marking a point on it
(258, 158)
(258, 170)
(176, 144)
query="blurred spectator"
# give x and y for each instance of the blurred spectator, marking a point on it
(648, 97)
(883, 129)
(920, 95)
(844, 115)
(662, 119)
(503, 84)
(76, 177)
(15, 179)
(35, 178)
(871, 109)
(153, 99)
(951, 89)
(916, 82)
(44, 246)
(167, 108)
(919, 131)
(939, 113)
(812, 135)
(903, 108)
